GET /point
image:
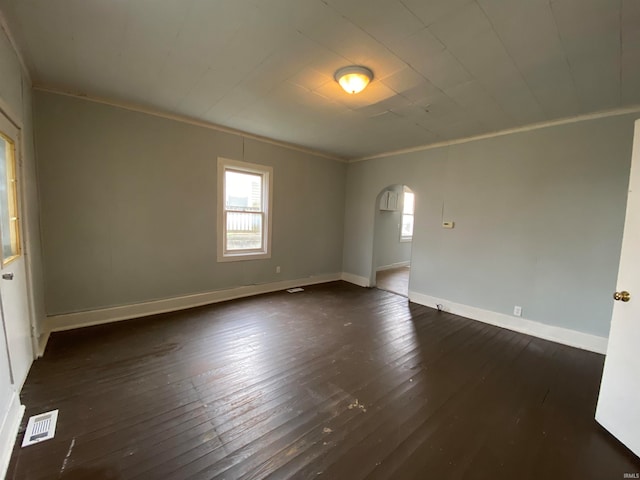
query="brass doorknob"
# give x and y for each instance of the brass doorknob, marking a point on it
(623, 296)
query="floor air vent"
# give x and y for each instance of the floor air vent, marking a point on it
(40, 427)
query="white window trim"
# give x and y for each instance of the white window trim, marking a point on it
(267, 197)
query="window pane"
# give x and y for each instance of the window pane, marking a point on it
(243, 191)
(407, 225)
(408, 203)
(244, 231)
(8, 206)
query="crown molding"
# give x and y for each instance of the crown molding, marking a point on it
(185, 119)
(526, 128)
(212, 126)
(4, 25)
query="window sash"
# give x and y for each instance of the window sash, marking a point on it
(232, 251)
(260, 175)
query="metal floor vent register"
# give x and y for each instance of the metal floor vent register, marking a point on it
(40, 428)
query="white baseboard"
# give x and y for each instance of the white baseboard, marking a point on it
(69, 321)
(9, 432)
(42, 343)
(393, 265)
(565, 336)
(355, 279)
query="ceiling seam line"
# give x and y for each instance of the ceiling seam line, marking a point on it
(523, 78)
(473, 77)
(621, 54)
(566, 57)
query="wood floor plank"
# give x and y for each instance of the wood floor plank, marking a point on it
(336, 382)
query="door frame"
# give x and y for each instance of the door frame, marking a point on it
(24, 234)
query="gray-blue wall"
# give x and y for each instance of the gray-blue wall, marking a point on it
(129, 207)
(538, 220)
(128, 213)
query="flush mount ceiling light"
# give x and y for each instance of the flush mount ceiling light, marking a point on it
(353, 79)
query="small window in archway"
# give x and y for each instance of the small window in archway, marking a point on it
(406, 234)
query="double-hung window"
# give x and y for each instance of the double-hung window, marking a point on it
(244, 210)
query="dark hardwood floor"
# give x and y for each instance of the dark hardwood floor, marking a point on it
(336, 382)
(394, 280)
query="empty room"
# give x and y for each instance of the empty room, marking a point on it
(301, 239)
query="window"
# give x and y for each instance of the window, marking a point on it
(406, 234)
(9, 227)
(244, 210)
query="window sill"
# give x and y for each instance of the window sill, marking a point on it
(406, 239)
(238, 257)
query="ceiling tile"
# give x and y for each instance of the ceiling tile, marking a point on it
(462, 27)
(580, 19)
(416, 48)
(443, 70)
(267, 67)
(592, 46)
(210, 89)
(554, 89)
(529, 34)
(384, 20)
(310, 78)
(403, 80)
(469, 94)
(630, 56)
(434, 10)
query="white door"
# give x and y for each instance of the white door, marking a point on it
(619, 403)
(13, 280)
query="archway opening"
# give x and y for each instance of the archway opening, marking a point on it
(393, 239)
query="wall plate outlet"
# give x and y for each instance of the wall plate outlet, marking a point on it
(517, 311)
(278, 269)
(448, 224)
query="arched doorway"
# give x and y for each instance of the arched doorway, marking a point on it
(393, 238)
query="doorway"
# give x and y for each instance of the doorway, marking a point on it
(14, 303)
(393, 238)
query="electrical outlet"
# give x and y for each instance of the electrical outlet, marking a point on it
(278, 269)
(517, 311)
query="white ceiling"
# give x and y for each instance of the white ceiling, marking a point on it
(444, 69)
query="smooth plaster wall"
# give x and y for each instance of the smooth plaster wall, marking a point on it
(538, 219)
(129, 207)
(389, 250)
